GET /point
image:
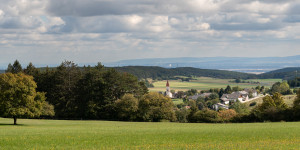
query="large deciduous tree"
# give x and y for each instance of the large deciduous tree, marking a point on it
(127, 107)
(156, 107)
(18, 97)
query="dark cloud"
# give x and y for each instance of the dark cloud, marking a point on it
(127, 7)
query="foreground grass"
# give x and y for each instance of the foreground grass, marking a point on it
(61, 134)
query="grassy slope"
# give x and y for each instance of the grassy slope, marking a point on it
(288, 99)
(61, 134)
(204, 83)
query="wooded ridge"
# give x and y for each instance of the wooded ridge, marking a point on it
(167, 73)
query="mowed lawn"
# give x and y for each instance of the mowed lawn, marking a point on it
(205, 83)
(61, 134)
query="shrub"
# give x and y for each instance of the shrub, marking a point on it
(205, 115)
(182, 115)
(226, 115)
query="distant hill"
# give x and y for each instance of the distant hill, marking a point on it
(166, 73)
(240, 64)
(285, 73)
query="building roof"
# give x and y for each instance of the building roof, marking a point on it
(195, 97)
(167, 83)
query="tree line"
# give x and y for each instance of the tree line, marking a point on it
(83, 93)
(72, 92)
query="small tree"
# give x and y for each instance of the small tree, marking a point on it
(228, 90)
(18, 97)
(227, 115)
(281, 88)
(239, 107)
(272, 108)
(15, 68)
(127, 107)
(156, 107)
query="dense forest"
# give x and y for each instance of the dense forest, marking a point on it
(167, 73)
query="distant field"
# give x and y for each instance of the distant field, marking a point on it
(62, 134)
(204, 83)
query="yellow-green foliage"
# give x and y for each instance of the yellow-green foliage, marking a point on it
(18, 97)
(61, 134)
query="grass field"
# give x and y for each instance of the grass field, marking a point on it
(61, 134)
(205, 83)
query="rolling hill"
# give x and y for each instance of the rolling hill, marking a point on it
(285, 73)
(166, 73)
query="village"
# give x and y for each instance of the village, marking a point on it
(242, 96)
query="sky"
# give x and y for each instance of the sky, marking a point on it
(90, 31)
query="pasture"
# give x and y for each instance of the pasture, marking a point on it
(205, 83)
(62, 134)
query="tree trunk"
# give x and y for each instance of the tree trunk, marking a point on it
(15, 120)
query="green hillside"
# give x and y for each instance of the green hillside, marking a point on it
(167, 73)
(155, 72)
(285, 73)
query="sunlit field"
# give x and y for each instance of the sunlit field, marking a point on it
(61, 134)
(205, 83)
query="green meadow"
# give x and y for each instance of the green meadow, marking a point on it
(205, 83)
(62, 134)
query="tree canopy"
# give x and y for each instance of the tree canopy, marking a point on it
(18, 96)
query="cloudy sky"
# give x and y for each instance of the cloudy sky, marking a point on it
(89, 31)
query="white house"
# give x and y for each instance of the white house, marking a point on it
(252, 91)
(226, 98)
